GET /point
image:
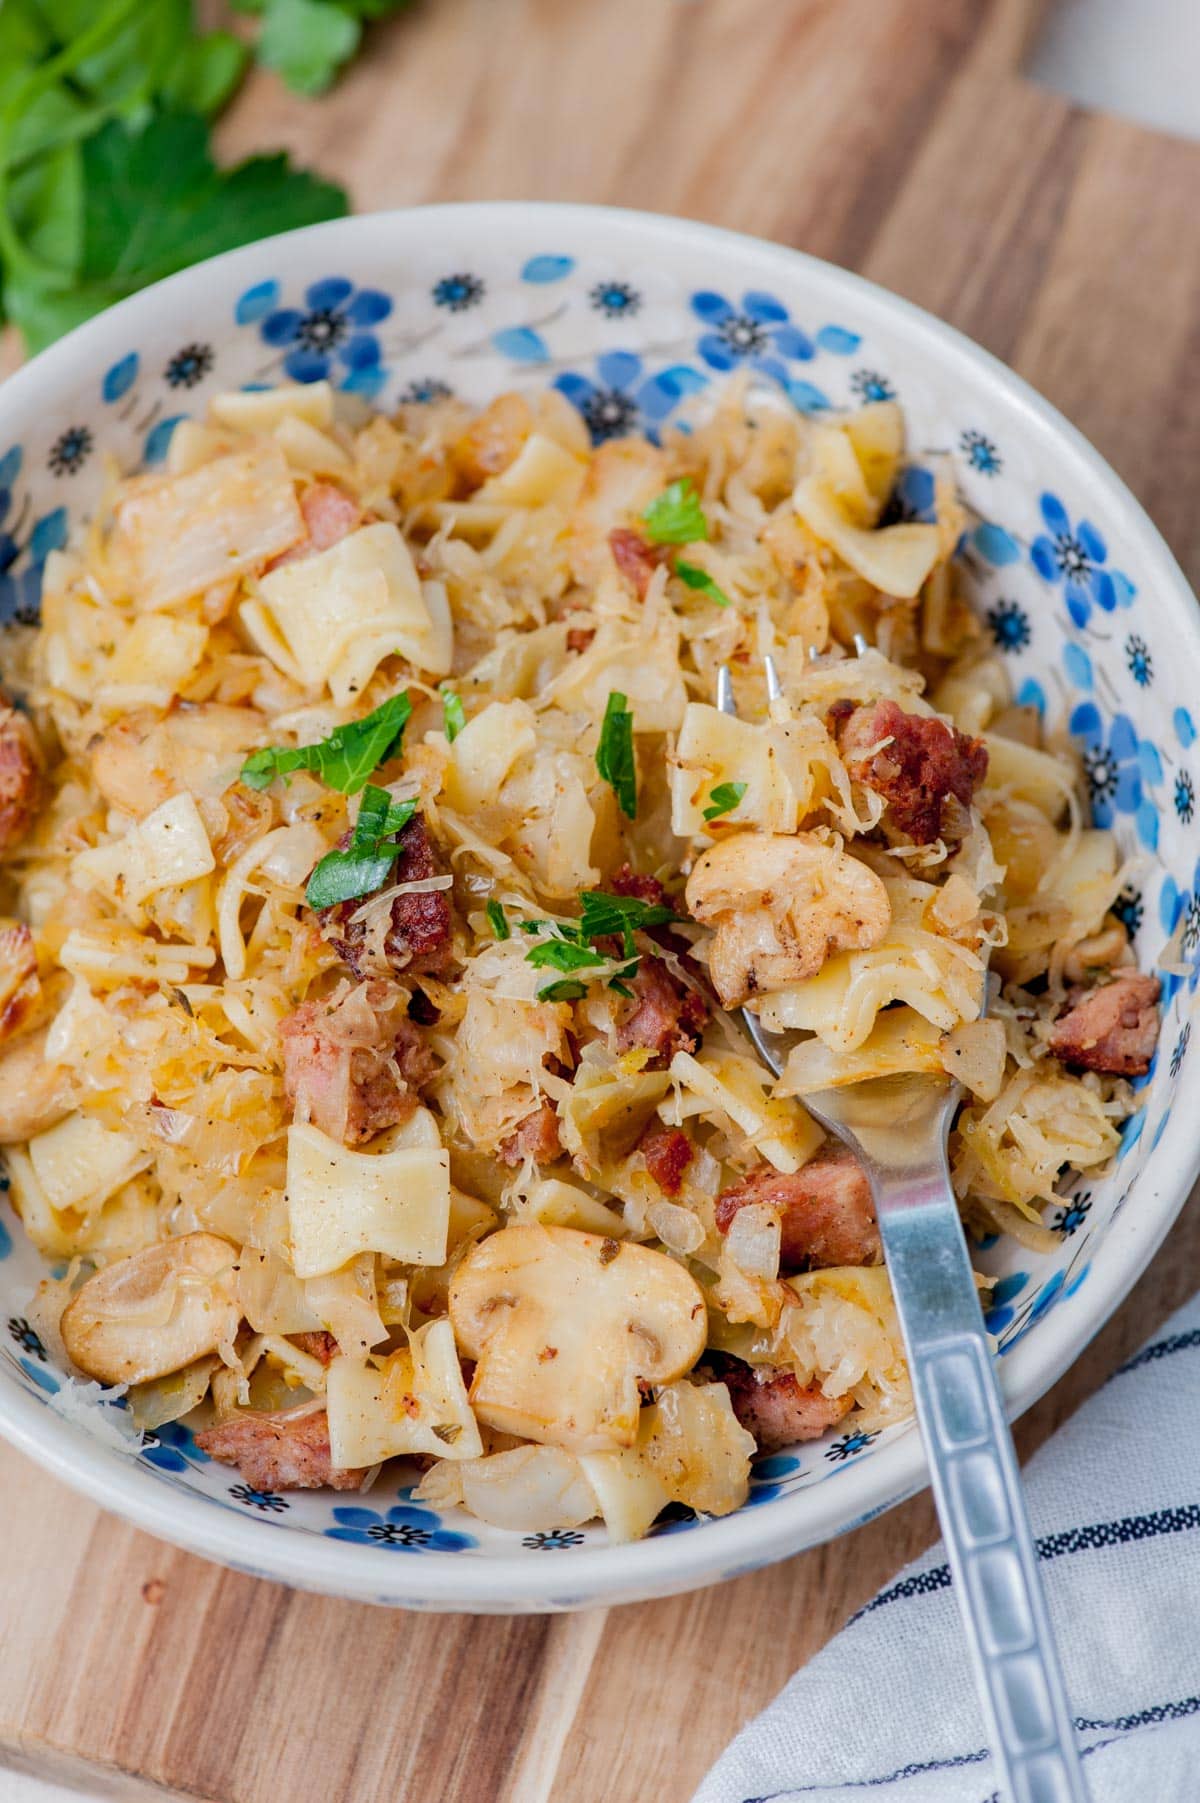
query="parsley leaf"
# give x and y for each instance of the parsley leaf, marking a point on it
(453, 715)
(614, 754)
(695, 577)
(724, 798)
(567, 989)
(563, 954)
(364, 865)
(498, 921)
(153, 202)
(346, 759)
(676, 517)
(307, 41)
(603, 914)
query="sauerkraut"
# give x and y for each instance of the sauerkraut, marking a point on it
(384, 864)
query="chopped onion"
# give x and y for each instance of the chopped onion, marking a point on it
(676, 1227)
(753, 1241)
(530, 1489)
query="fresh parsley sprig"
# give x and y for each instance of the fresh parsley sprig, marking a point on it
(573, 946)
(614, 754)
(363, 866)
(347, 759)
(453, 714)
(498, 920)
(107, 182)
(695, 578)
(723, 799)
(676, 517)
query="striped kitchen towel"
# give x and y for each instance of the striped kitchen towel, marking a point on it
(887, 1711)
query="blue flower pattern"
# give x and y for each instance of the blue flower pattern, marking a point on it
(1077, 557)
(402, 1529)
(1009, 625)
(624, 397)
(332, 337)
(1115, 765)
(335, 335)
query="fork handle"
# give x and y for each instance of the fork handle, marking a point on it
(977, 1486)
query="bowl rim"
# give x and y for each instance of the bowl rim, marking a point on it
(754, 1536)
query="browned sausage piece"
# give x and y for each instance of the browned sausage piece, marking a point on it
(773, 1407)
(1113, 1028)
(352, 1065)
(668, 1152)
(284, 1451)
(417, 940)
(535, 1137)
(826, 1213)
(927, 772)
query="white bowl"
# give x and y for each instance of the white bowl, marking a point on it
(633, 315)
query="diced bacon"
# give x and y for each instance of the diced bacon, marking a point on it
(668, 1152)
(20, 776)
(826, 1213)
(319, 1345)
(417, 939)
(536, 1138)
(1113, 1028)
(579, 638)
(330, 515)
(20, 990)
(351, 1065)
(927, 772)
(771, 1405)
(665, 1015)
(284, 1451)
(635, 557)
(628, 881)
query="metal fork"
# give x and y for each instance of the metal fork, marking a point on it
(898, 1127)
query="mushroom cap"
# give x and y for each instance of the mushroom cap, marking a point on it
(780, 904)
(564, 1324)
(155, 1311)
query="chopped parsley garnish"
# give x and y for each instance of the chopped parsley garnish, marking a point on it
(364, 865)
(347, 759)
(614, 754)
(453, 716)
(695, 577)
(603, 913)
(724, 798)
(676, 517)
(499, 923)
(567, 989)
(564, 954)
(574, 944)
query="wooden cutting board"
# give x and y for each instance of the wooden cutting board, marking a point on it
(897, 137)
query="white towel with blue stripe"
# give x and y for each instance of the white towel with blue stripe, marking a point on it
(887, 1712)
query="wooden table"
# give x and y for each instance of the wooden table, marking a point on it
(894, 136)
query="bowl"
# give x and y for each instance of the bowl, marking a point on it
(633, 317)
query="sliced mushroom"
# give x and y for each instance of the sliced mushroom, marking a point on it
(564, 1326)
(779, 906)
(34, 1093)
(20, 991)
(155, 1311)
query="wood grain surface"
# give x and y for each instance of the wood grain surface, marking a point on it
(895, 136)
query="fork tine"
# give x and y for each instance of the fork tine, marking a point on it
(813, 654)
(861, 646)
(725, 701)
(774, 686)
